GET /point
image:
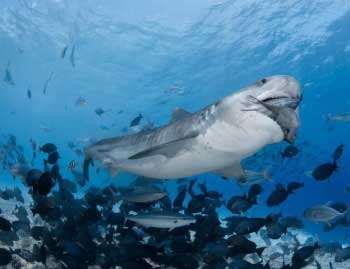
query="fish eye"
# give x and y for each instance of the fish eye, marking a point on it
(263, 81)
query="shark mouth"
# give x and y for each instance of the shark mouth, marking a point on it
(282, 109)
(292, 102)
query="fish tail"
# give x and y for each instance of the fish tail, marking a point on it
(345, 211)
(335, 165)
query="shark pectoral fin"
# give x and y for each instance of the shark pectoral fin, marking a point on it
(168, 150)
(179, 114)
(234, 170)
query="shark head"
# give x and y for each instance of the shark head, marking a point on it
(277, 97)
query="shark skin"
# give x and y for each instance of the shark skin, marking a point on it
(214, 139)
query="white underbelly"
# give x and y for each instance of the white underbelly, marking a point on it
(199, 159)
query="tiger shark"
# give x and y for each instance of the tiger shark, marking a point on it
(214, 139)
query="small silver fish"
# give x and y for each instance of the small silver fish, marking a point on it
(165, 220)
(81, 101)
(343, 117)
(142, 195)
(254, 177)
(322, 213)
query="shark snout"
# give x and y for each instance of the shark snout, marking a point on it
(290, 135)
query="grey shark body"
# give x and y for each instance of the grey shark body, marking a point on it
(214, 139)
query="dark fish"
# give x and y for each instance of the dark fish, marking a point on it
(301, 256)
(104, 127)
(196, 204)
(38, 232)
(48, 148)
(7, 194)
(5, 257)
(53, 157)
(100, 111)
(239, 244)
(179, 199)
(63, 52)
(72, 56)
(5, 225)
(339, 206)
(342, 255)
(279, 195)
(324, 171)
(338, 152)
(44, 184)
(347, 188)
(29, 93)
(46, 84)
(292, 222)
(136, 121)
(44, 206)
(33, 176)
(250, 225)
(22, 226)
(8, 76)
(239, 204)
(90, 215)
(275, 230)
(290, 152)
(254, 191)
(214, 195)
(292, 186)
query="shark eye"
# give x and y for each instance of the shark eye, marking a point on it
(263, 81)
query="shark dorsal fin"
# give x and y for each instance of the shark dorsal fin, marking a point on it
(179, 114)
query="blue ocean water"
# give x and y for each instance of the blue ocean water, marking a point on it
(150, 57)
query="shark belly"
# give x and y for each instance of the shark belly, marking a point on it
(199, 160)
